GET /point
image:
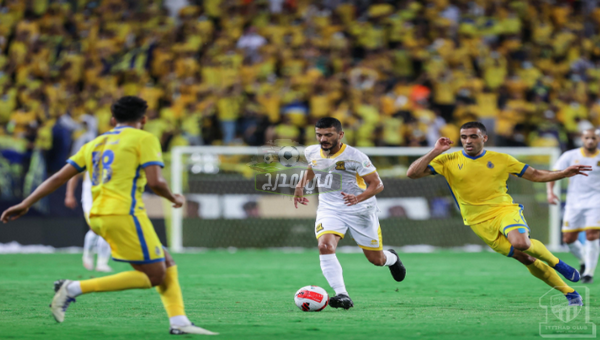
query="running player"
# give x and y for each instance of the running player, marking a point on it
(583, 197)
(120, 163)
(354, 208)
(477, 179)
(91, 242)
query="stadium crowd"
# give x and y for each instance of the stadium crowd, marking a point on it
(233, 72)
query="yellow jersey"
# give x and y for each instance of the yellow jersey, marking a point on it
(115, 163)
(478, 184)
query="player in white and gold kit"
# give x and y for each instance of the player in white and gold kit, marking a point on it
(582, 211)
(354, 208)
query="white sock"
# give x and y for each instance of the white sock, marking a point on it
(179, 320)
(88, 244)
(390, 258)
(576, 249)
(103, 250)
(332, 270)
(592, 250)
(74, 289)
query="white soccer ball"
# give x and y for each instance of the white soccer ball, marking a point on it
(269, 157)
(288, 155)
(311, 299)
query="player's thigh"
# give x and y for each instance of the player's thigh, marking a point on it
(330, 224)
(574, 220)
(489, 232)
(131, 238)
(592, 223)
(366, 232)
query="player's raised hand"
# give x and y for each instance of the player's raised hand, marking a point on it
(443, 144)
(179, 200)
(349, 199)
(14, 212)
(576, 170)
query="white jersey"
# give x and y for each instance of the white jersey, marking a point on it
(86, 194)
(352, 165)
(583, 191)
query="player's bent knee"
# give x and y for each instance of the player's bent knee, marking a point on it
(521, 245)
(569, 238)
(592, 235)
(326, 248)
(156, 278)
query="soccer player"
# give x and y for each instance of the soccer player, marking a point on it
(355, 208)
(120, 163)
(91, 240)
(582, 211)
(477, 179)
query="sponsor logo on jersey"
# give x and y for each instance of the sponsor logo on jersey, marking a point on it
(460, 167)
(490, 165)
(319, 227)
(566, 223)
(373, 242)
(115, 142)
(341, 165)
(366, 164)
(598, 164)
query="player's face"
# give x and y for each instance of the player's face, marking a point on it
(590, 140)
(472, 140)
(329, 138)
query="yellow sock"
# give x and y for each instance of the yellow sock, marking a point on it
(543, 272)
(170, 293)
(125, 280)
(539, 251)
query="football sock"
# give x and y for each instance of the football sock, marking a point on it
(74, 289)
(121, 281)
(103, 250)
(390, 258)
(592, 250)
(332, 270)
(539, 251)
(89, 242)
(576, 249)
(170, 293)
(543, 272)
(179, 320)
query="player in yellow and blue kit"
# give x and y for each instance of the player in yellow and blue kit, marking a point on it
(120, 163)
(477, 180)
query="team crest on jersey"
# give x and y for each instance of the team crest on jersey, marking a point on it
(341, 165)
(319, 227)
(157, 250)
(490, 165)
(314, 162)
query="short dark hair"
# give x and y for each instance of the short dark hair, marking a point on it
(129, 109)
(474, 125)
(328, 122)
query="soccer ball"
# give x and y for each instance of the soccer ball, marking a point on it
(269, 157)
(288, 155)
(311, 299)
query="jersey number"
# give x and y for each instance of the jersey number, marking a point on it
(106, 158)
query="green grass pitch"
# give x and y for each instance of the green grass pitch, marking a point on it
(249, 295)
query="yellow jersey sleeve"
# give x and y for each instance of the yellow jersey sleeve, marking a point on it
(78, 159)
(515, 167)
(437, 164)
(150, 152)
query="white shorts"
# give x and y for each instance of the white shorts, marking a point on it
(581, 219)
(365, 229)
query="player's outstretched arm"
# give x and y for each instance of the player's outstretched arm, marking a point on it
(45, 189)
(70, 200)
(159, 186)
(419, 167)
(374, 186)
(299, 191)
(536, 175)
